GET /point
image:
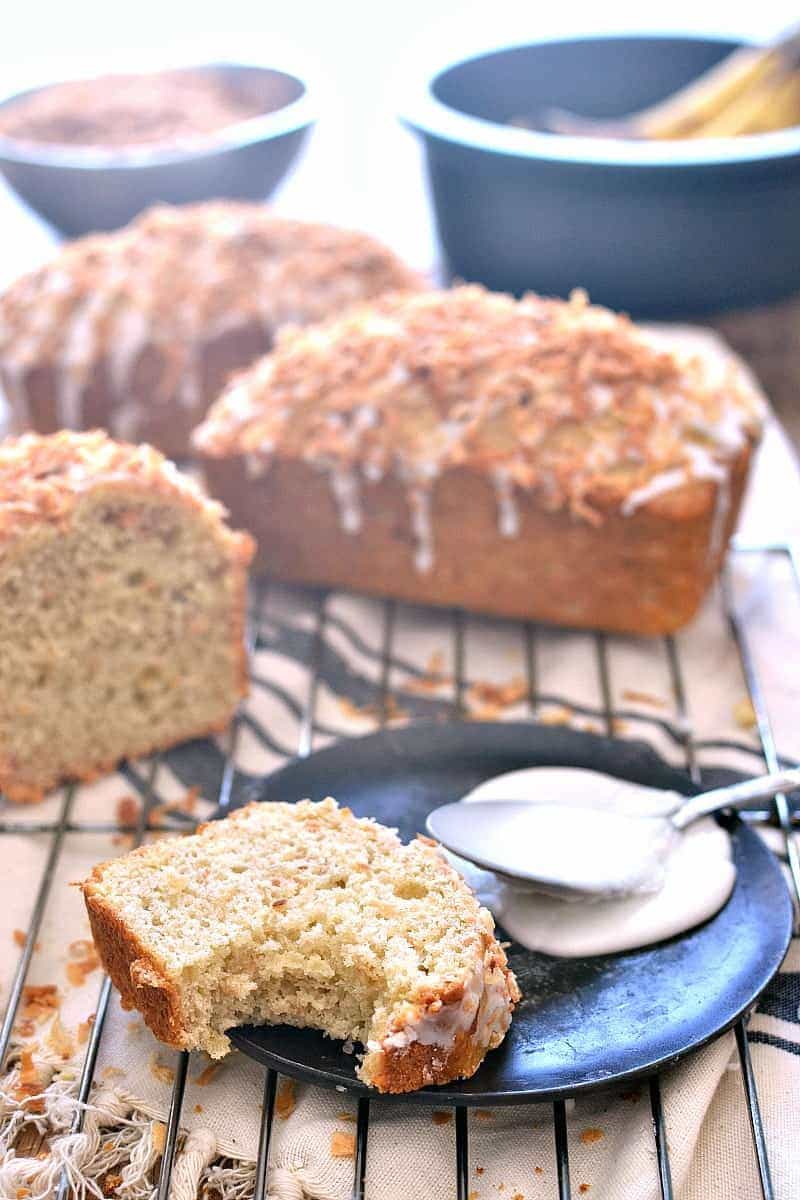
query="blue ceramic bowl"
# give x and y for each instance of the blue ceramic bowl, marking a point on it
(81, 189)
(661, 229)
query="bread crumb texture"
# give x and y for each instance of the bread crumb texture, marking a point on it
(305, 915)
(122, 598)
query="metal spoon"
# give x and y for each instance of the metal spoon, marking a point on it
(583, 851)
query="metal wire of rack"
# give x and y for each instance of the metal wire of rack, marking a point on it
(65, 824)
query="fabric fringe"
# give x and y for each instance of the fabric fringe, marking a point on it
(231, 1180)
(199, 1151)
(117, 1151)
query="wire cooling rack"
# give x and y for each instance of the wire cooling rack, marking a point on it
(609, 715)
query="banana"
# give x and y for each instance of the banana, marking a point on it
(682, 112)
(750, 111)
(753, 90)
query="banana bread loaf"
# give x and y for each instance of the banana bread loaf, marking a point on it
(122, 602)
(301, 914)
(136, 331)
(538, 458)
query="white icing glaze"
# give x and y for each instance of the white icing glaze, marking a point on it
(240, 401)
(698, 873)
(126, 420)
(366, 417)
(704, 465)
(726, 433)
(419, 499)
(78, 356)
(373, 471)
(722, 507)
(665, 481)
(16, 396)
(347, 493)
(255, 465)
(190, 388)
(484, 1005)
(698, 880)
(507, 511)
(129, 335)
(601, 396)
(439, 1026)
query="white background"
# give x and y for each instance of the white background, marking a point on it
(360, 167)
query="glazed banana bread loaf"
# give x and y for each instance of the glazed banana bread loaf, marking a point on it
(122, 604)
(538, 458)
(136, 331)
(302, 914)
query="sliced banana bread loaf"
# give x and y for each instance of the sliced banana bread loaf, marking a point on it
(122, 604)
(302, 914)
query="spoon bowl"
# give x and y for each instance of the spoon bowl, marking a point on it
(559, 850)
(579, 851)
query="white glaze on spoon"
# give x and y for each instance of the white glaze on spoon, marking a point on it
(698, 873)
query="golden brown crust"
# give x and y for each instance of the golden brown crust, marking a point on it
(644, 573)
(141, 980)
(418, 1066)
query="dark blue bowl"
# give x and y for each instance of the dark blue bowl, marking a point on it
(658, 228)
(81, 189)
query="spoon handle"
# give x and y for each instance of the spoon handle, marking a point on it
(737, 795)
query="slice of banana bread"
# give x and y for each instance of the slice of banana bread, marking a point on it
(302, 914)
(122, 602)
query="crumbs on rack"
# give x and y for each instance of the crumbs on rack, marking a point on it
(286, 1099)
(343, 1144)
(160, 1070)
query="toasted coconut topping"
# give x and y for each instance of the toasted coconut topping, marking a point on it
(42, 478)
(566, 399)
(173, 280)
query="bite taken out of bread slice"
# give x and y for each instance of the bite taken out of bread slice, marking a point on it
(302, 914)
(122, 607)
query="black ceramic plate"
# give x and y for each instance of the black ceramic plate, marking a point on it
(582, 1023)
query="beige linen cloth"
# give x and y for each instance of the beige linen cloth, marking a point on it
(411, 1150)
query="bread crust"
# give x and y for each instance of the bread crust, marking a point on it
(646, 573)
(19, 792)
(166, 422)
(142, 981)
(419, 1064)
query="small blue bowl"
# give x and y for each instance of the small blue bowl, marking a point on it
(662, 229)
(82, 189)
